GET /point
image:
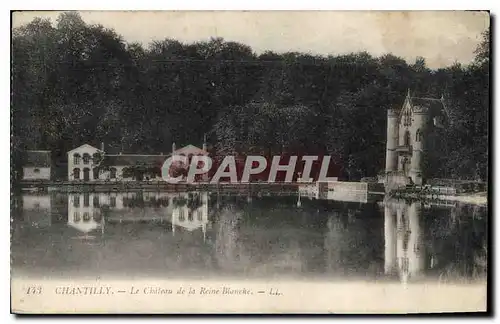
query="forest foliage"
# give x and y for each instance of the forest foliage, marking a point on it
(75, 83)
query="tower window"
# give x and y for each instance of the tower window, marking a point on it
(418, 136)
(407, 118)
(407, 138)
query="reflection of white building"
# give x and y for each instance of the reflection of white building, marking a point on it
(86, 210)
(191, 219)
(404, 248)
(139, 206)
(84, 213)
(37, 209)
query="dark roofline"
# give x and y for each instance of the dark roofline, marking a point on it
(138, 154)
(425, 98)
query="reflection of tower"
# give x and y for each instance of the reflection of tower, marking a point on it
(390, 238)
(226, 242)
(404, 248)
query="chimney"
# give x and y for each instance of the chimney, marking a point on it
(205, 142)
(102, 146)
(173, 147)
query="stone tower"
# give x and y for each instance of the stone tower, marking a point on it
(391, 161)
(407, 128)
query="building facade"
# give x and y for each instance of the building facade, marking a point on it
(88, 163)
(407, 130)
(83, 163)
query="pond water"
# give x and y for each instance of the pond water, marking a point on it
(207, 235)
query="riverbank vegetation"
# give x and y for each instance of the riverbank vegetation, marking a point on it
(75, 83)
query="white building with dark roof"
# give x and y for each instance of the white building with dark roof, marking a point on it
(37, 165)
(88, 163)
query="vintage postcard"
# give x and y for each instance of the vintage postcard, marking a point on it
(195, 162)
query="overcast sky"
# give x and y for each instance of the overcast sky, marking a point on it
(441, 37)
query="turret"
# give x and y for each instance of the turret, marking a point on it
(391, 161)
(418, 131)
(205, 142)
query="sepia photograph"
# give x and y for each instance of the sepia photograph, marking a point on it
(270, 162)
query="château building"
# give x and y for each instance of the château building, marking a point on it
(407, 139)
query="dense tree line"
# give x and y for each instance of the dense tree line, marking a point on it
(75, 83)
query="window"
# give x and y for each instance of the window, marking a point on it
(113, 173)
(96, 201)
(86, 158)
(86, 217)
(86, 200)
(407, 138)
(112, 201)
(181, 215)
(407, 118)
(199, 215)
(418, 136)
(36, 171)
(76, 158)
(86, 174)
(190, 216)
(76, 201)
(76, 217)
(95, 172)
(76, 173)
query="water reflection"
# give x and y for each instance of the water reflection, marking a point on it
(88, 212)
(84, 216)
(37, 209)
(404, 248)
(207, 234)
